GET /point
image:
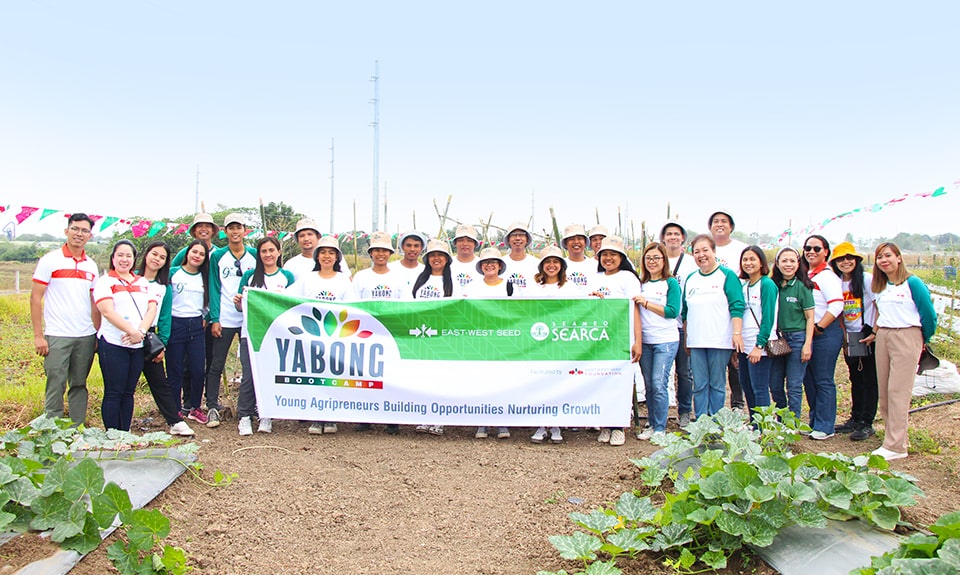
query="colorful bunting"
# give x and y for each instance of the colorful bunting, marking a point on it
(107, 222)
(25, 213)
(141, 228)
(155, 228)
(47, 212)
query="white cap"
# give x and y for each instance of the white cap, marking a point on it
(235, 218)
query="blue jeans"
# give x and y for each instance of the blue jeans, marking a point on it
(684, 378)
(121, 367)
(655, 367)
(709, 379)
(789, 370)
(818, 382)
(755, 380)
(185, 353)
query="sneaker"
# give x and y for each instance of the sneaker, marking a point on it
(820, 436)
(436, 430)
(684, 420)
(181, 428)
(423, 429)
(503, 433)
(213, 417)
(316, 429)
(658, 434)
(392, 429)
(863, 432)
(329, 428)
(555, 436)
(645, 434)
(539, 435)
(266, 425)
(481, 433)
(184, 413)
(888, 454)
(362, 427)
(604, 436)
(198, 416)
(617, 437)
(848, 426)
(245, 426)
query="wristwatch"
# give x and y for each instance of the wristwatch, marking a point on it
(818, 327)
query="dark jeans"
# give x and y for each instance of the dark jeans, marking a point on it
(818, 383)
(786, 377)
(160, 389)
(218, 359)
(755, 380)
(684, 378)
(186, 351)
(121, 367)
(736, 390)
(863, 387)
(185, 382)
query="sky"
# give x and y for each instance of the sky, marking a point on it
(782, 114)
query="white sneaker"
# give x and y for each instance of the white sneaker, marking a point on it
(481, 433)
(329, 428)
(539, 435)
(645, 434)
(658, 434)
(422, 429)
(888, 454)
(266, 425)
(245, 427)
(604, 436)
(555, 436)
(181, 428)
(435, 430)
(617, 437)
(316, 429)
(503, 433)
(820, 436)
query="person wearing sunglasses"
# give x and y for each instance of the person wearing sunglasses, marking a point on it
(818, 382)
(227, 266)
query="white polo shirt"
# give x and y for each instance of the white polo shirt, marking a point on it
(69, 281)
(123, 294)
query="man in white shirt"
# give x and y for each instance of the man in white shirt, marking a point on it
(463, 267)
(307, 234)
(728, 255)
(579, 267)
(673, 236)
(596, 235)
(411, 245)
(521, 266)
(64, 319)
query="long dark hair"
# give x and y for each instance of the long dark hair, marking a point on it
(625, 264)
(163, 274)
(764, 267)
(426, 273)
(203, 269)
(801, 275)
(259, 273)
(316, 259)
(541, 278)
(856, 277)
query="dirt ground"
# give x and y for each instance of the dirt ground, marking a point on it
(358, 503)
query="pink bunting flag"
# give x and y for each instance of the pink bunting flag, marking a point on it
(25, 212)
(141, 228)
(182, 228)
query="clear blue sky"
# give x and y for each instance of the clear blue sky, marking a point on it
(774, 112)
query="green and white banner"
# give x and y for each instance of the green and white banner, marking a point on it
(448, 361)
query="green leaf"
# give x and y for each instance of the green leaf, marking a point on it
(86, 478)
(875, 484)
(714, 559)
(146, 527)
(705, 516)
(760, 493)
(741, 475)
(759, 533)
(947, 526)
(125, 559)
(854, 481)
(807, 514)
(49, 511)
(717, 486)
(53, 480)
(902, 492)
(922, 567)
(109, 504)
(310, 326)
(834, 493)
(772, 469)
(329, 323)
(807, 472)
(597, 521)
(920, 545)
(22, 491)
(603, 568)
(884, 517)
(635, 508)
(5, 520)
(631, 540)
(653, 476)
(950, 552)
(732, 523)
(797, 491)
(672, 535)
(771, 512)
(72, 525)
(174, 560)
(6, 474)
(686, 560)
(578, 546)
(87, 540)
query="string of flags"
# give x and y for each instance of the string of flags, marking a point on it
(152, 229)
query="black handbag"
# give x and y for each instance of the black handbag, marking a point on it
(152, 346)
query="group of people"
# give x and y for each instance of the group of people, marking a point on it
(711, 311)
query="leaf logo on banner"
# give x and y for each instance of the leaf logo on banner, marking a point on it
(330, 324)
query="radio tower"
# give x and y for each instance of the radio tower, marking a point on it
(376, 145)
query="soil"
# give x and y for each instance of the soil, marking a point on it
(367, 502)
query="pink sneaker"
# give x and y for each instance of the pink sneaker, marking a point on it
(198, 416)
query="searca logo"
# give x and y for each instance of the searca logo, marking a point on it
(331, 346)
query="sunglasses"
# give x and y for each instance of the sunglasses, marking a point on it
(816, 249)
(236, 264)
(847, 259)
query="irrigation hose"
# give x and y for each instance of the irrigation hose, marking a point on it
(938, 404)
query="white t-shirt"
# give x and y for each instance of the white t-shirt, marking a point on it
(656, 328)
(299, 265)
(123, 294)
(621, 284)
(580, 273)
(729, 255)
(368, 284)
(187, 293)
(568, 290)
(337, 288)
(709, 324)
(66, 302)
(687, 267)
(465, 273)
(409, 276)
(520, 273)
(433, 289)
(479, 289)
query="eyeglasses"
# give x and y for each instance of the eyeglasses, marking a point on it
(816, 249)
(76, 230)
(847, 258)
(236, 264)
(652, 259)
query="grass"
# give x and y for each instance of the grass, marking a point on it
(8, 274)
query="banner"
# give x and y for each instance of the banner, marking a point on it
(442, 362)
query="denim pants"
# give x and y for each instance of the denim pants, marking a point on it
(684, 378)
(818, 383)
(121, 367)
(185, 354)
(218, 359)
(709, 379)
(755, 380)
(789, 370)
(655, 367)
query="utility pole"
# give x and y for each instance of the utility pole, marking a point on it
(376, 145)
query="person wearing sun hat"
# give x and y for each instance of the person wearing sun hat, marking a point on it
(307, 233)
(595, 236)
(409, 266)
(202, 228)
(579, 266)
(859, 318)
(521, 266)
(463, 267)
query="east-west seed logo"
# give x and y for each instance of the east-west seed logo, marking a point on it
(329, 348)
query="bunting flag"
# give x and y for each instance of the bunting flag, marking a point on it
(107, 222)
(140, 228)
(182, 228)
(47, 212)
(155, 228)
(25, 213)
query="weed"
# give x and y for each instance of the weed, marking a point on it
(922, 442)
(557, 497)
